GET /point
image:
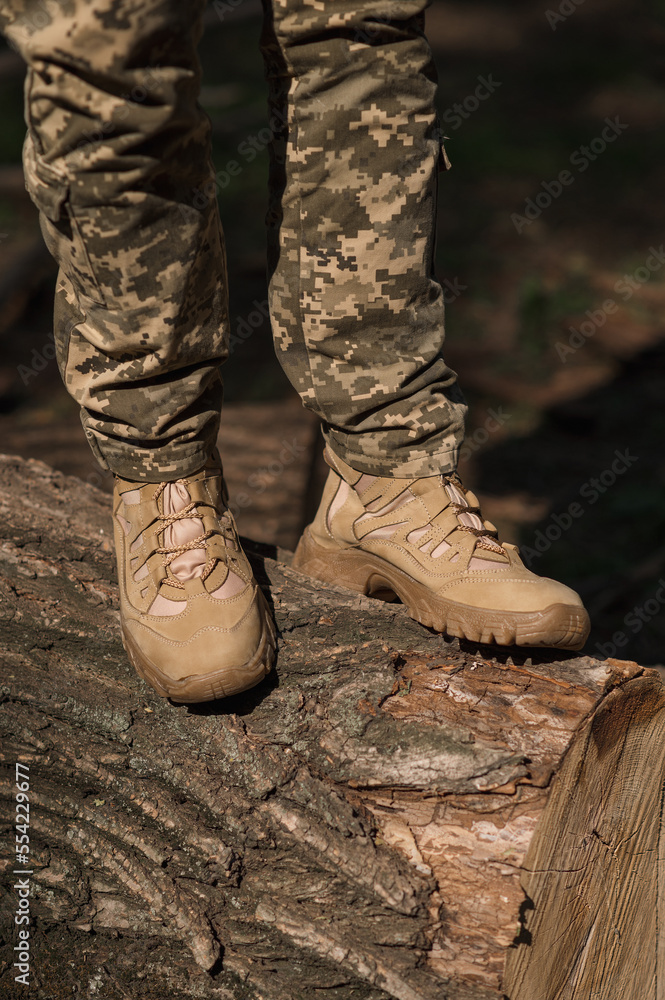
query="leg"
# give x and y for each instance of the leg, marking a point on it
(356, 311)
(358, 320)
(116, 158)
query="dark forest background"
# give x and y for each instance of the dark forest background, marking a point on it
(555, 324)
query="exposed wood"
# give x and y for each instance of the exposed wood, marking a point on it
(361, 824)
(595, 865)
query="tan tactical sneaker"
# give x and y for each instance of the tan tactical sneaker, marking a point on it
(194, 622)
(424, 541)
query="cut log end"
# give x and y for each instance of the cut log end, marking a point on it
(593, 874)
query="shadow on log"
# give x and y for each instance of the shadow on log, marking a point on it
(389, 815)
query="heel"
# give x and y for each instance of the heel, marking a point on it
(343, 567)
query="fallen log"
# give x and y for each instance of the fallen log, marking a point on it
(389, 815)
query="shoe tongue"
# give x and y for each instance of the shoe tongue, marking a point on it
(192, 562)
(491, 548)
(470, 520)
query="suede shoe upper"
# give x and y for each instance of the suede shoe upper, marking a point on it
(189, 603)
(425, 540)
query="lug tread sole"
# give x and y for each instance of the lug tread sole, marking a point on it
(562, 626)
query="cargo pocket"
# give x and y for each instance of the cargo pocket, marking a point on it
(66, 228)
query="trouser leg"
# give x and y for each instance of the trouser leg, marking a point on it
(356, 310)
(117, 160)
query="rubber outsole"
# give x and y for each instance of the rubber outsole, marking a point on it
(221, 683)
(559, 626)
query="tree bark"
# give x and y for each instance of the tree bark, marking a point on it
(389, 815)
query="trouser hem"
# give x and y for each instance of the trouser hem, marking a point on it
(151, 465)
(441, 459)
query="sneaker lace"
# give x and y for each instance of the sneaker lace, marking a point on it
(170, 552)
(487, 537)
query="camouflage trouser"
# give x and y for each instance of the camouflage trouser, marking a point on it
(116, 158)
